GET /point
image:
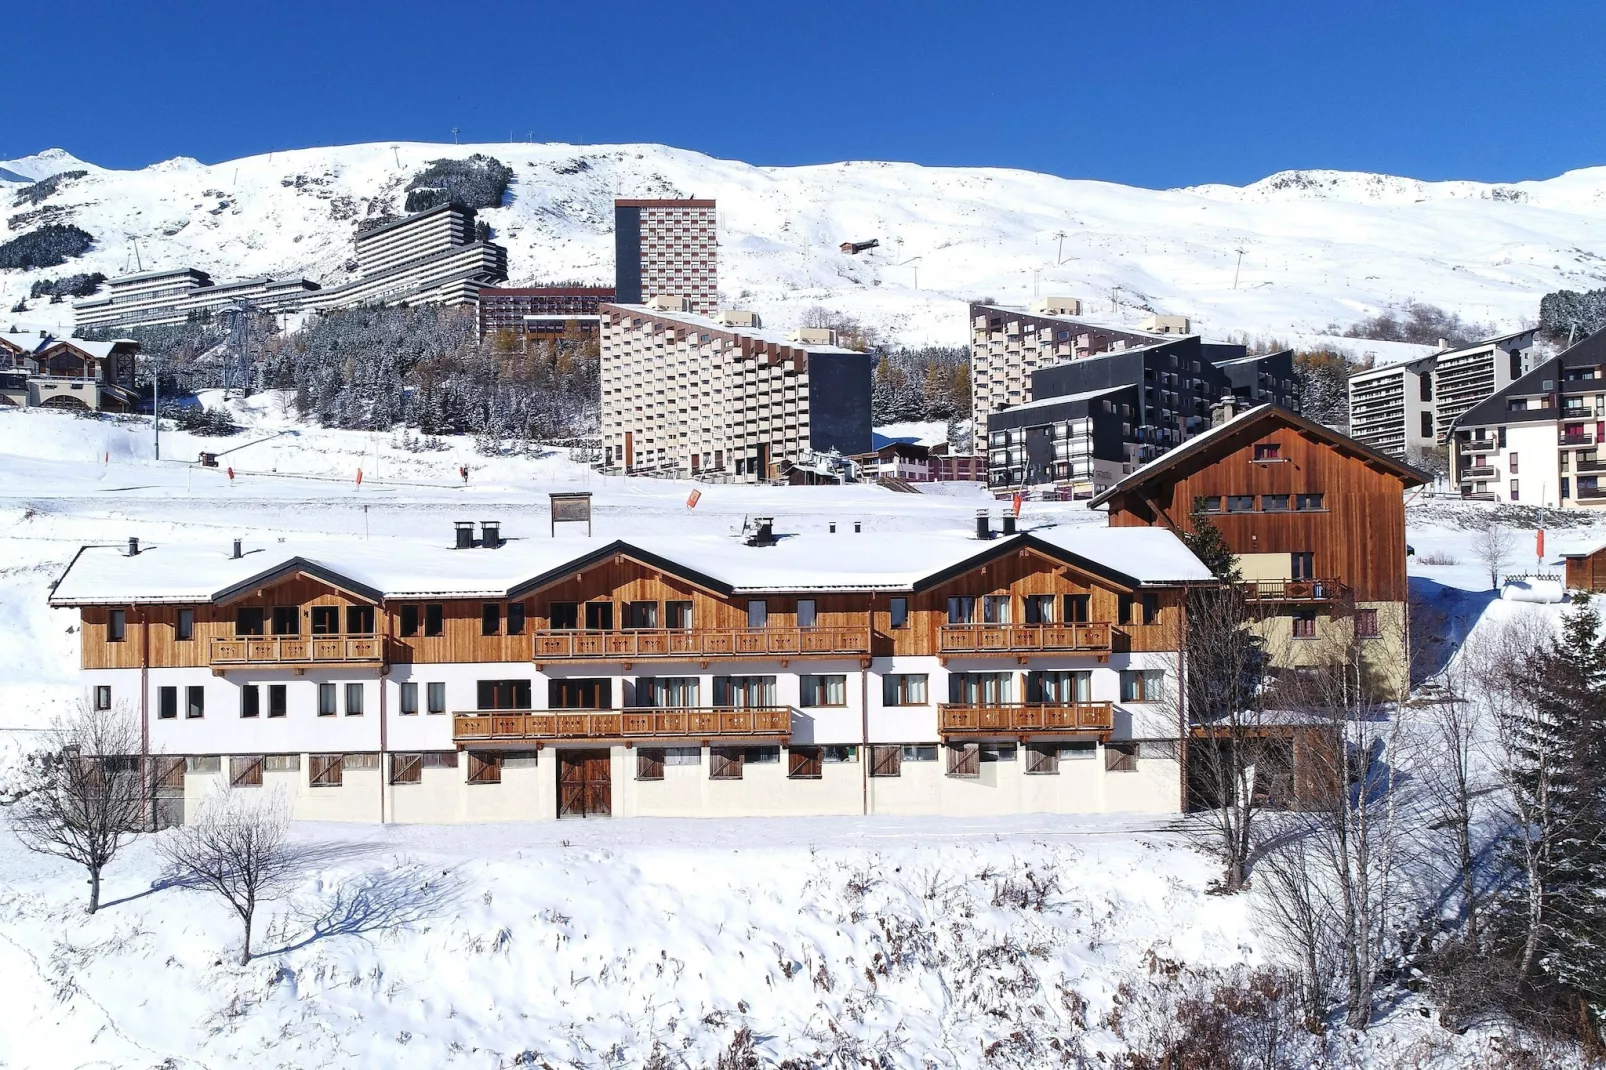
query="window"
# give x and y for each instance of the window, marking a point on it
(1078, 608)
(667, 692)
(805, 612)
(1268, 451)
(359, 620)
(1274, 503)
(354, 700)
(436, 696)
(326, 700)
(1366, 624)
(185, 629)
(886, 760)
(677, 615)
(961, 609)
(725, 763)
(1042, 758)
(823, 690)
(995, 609)
(515, 618)
(683, 756)
(325, 620)
(245, 770)
(761, 755)
(981, 688)
(194, 702)
(563, 615)
(248, 621)
(200, 764)
(803, 763)
(406, 768)
(1302, 565)
(919, 752)
(649, 763)
(325, 770)
(903, 689)
(434, 619)
(167, 703)
(1060, 687)
(1209, 504)
(599, 616)
(1039, 608)
(1427, 425)
(997, 752)
(250, 701)
(579, 693)
(641, 614)
(281, 763)
(1304, 624)
(103, 697)
(286, 620)
(1121, 757)
(1144, 609)
(758, 613)
(898, 613)
(491, 619)
(744, 691)
(484, 767)
(839, 754)
(964, 760)
(1511, 462)
(409, 627)
(1307, 503)
(276, 700)
(1240, 503)
(1078, 751)
(509, 694)
(1142, 685)
(1513, 494)
(407, 701)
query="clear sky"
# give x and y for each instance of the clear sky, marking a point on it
(1147, 92)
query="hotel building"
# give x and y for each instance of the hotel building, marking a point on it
(666, 248)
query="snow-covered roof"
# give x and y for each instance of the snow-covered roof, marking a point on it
(400, 569)
(1060, 399)
(27, 341)
(708, 323)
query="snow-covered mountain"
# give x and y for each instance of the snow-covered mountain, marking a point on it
(1318, 247)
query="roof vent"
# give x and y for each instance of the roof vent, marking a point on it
(465, 534)
(984, 528)
(759, 531)
(1009, 523)
(237, 552)
(490, 534)
(133, 547)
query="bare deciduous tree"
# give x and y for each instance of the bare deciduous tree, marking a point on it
(237, 847)
(84, 800)
(1493, 545)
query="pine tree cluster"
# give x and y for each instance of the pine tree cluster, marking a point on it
(67, 286)
(921, 384)
(48, 246)
(1568, 314)
(45, 187)
(478, 182)
(1321, 377)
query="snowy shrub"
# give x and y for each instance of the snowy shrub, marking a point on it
(477, 182)
(1419, 324)
(45, 187)
(68, 286)
(46, 247)
(207, 423)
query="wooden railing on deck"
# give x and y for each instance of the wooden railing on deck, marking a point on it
(556, 643)
(1007, 638)
(955, 718)
(1293, 590)
(296, 649)
(699, 722)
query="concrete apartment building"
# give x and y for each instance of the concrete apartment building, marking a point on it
(38, 369)
(666, 248)
(535, 680)
(157, 298)
(1410, 406)
(687, 394)
(1539, 439)
(542, 311)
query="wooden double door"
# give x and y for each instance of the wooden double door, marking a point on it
(585, 784)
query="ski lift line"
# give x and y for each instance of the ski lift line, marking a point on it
(333, 479)
(258, 442)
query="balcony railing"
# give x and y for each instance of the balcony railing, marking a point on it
(958, 718)
(1594, 465)
(559, 643)
(681, 722)
(296, 650)
(1478, 471)
(1580, 439)
(1478, 445)
(1012, 638)
(1293, 590)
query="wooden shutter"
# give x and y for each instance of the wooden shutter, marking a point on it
(406, 768)
(803, 763)
(964, 760)
(1121, 757)
(649, 763)
(724, 763)
(886, 760)
(1042, 758)
(169, 779)
(245, 770)
(484, 768)
(325, 770)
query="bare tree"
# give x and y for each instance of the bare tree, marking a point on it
(237, 847)
(1303, 916)
(1493, 545)
(83, 799)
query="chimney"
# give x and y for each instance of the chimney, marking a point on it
(237, 554)
(1223, 410)
(833, 527)
(490, 534)
(465, 534)
(1444, 343)
(1009, 523)
(984, 530)
(133, 547)
(856, 528)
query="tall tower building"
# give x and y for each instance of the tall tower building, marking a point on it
(666, 248)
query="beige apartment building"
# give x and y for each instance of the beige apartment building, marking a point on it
(667, 248)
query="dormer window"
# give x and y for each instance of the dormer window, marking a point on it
(1268, 451)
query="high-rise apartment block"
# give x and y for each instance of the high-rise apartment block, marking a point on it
(542, 311)
(157, 298)
(666, 248)
(684, 394)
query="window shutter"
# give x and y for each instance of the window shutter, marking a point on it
(803, 763)
(484, 768)
(964, 760)
(406, 768)
(886, 760)
(724, 764)
(1121, 757)
(649, 763)
(1042, 758)
(245, 770)
(325, 770)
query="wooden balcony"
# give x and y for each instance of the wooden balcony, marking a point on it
(1293, 590)
(297, 650)
(558, 644)
(1016, 717)
(1023, 638)
(681, 722)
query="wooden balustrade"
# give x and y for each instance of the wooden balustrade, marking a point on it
(569, 643)
(297, 650)
(1014, 717)
(683, 722)
(1293, 590)
(1014, 638)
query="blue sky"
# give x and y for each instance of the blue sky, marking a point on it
(1154, 93)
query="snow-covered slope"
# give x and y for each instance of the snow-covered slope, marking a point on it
(1318, 247)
